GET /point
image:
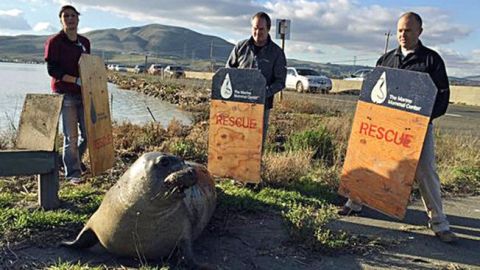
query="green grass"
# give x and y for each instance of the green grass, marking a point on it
(61, 265)
(305, 213)
(24, 220)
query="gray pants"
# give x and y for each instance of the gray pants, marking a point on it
(266, 116)
(429, 185)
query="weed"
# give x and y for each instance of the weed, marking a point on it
(308, 226)
(60, 265)
(318, 140)
(188, 150)
(286, 167)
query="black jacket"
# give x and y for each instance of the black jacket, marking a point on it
(269, 59)
(425, 60)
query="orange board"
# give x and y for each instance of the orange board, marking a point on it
(387, 138)
(382, 157)
(97, 113)
(235, 140)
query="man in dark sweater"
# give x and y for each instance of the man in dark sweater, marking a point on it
(62, 52)
(412, 55)
(260, 52)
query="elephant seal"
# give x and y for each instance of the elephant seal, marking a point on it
(160, 203)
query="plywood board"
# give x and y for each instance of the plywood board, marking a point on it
(382, 157)
(39, 122)
(236, 124)
(97, 113)
(235, 140)
(387, 138)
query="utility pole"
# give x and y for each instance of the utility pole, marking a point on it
(354, 61)
(211, 56)
(387, 37)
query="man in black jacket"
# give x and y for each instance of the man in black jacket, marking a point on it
(260, 52)
(412, 55)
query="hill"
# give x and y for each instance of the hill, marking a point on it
(154, 40)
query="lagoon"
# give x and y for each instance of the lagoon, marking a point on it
(16, 80)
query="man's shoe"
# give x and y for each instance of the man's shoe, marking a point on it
(76, 181)
(347, 211)
(446, 236)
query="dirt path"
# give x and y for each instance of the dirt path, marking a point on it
(260, 241)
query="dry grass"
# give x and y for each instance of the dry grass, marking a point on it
(458, 161)
(286, 167)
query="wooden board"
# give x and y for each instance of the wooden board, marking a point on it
(39, 122)
(235, 140)
(387, 138)
(97, 113)
(236, 124)
(382, 157)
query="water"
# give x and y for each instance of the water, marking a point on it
(16, 80)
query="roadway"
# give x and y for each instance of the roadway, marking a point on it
(459, 119)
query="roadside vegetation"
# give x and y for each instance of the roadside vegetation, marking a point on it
(306, 146)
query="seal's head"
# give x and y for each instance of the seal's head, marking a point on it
(158, 176)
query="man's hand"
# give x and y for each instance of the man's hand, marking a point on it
(78, 81)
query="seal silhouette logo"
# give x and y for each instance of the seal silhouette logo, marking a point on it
(379, 91)
(226, 89)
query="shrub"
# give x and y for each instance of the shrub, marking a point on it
(319, 141)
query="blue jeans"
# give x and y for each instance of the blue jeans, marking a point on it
(74, 143)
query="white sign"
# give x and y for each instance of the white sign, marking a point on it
(282, 29)
(379, 92)
(226, 89)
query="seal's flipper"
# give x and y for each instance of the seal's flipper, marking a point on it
(85, 239)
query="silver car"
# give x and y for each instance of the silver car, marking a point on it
(307, 80)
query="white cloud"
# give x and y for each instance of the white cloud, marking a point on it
(459, 64)
(44, 27)
(302, 47)
(83, 30)
(476, 53)
(11, 12)
(13, 20)
(344, 23)
(348, 25)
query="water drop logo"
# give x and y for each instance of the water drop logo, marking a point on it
(226, 89)
(379, 91)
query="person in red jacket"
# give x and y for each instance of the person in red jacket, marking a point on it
(62, 52)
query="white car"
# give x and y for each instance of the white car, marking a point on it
(121, 68)
(307, 80)
(359, 75)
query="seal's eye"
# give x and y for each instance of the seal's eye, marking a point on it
(164, 161)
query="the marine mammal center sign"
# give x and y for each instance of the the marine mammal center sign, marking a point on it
(236, 124)
(387, 137)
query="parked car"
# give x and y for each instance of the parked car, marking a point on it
(359, 75)
(139, 69)
(111, 67)
(156, 69)
(174, 72)
(307, 80)
(121, 68)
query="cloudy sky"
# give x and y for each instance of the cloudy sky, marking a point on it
(335, 31)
